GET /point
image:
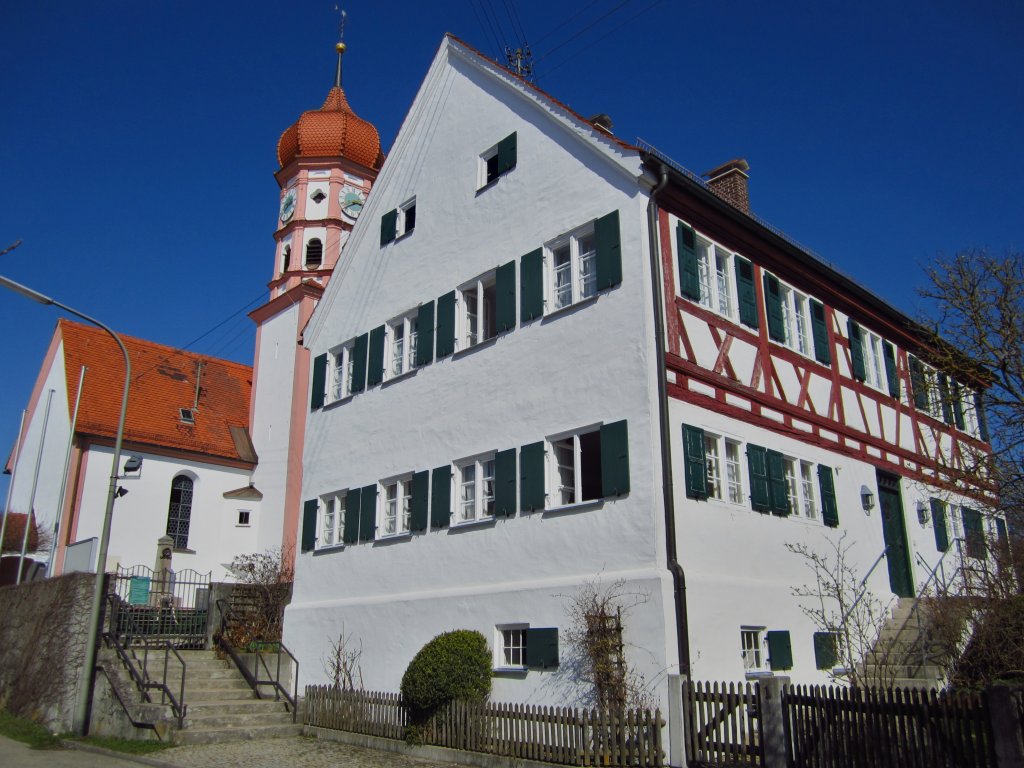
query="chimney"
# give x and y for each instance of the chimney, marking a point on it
(729, 182)
(602, 122)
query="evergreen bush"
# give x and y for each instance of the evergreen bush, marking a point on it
(454, 665)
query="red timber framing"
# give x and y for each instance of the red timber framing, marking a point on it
(793, 410)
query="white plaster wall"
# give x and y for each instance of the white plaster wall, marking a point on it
(591, 364)
(140, 517)
(271, 427)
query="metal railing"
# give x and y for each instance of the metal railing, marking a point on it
(862, 589)
(259, 651)
(123, 636)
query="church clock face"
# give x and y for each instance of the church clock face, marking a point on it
(288, 205)
(351, 200)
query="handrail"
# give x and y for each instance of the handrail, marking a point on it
(142, 679)
(252, 678)
(914, 611)
(861, 590)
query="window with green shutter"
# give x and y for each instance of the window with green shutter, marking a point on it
(979, 412)
(826, 650)
(918, 383)
(773, 308)
(499, 159)
(542, 647)
(425, 334)
(694, 462)
(445, 325)
(319, 386)
(891, 374)
(375, 370)
(777, 486)
(746, 292)
(829, 507)
(441, 497)
(420, 501)
(974, 533)
(368, 513)
(614, 459)
(856, 337)
(939, 525)
(958, 406)
(609, 251)
(352, 516)
(531, 477)
(505, 297)
(780, 650)
(507, 151)
(757, 465)
(531, 285)
(944, 396)
(359, 351)
(309, 510)
(819, 330)
(505, 483)
(686, 247)
(388, 227)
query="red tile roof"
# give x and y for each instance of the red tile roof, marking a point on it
(331, 131)
(163, 381)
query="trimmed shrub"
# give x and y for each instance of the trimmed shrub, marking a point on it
(454, 665)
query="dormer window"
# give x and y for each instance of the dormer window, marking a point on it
(188, 416)
(314, 253)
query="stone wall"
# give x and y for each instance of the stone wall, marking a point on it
(43, 628)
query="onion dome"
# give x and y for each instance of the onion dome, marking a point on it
(331, 131)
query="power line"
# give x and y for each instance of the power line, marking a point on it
(493, 37)
(513, 17)
(586, 29)
(578, 13)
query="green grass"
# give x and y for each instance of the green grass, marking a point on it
(127, 745)
(31, 733)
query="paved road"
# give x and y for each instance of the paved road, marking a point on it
(14, 754)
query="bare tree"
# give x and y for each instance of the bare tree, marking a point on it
(342, 663)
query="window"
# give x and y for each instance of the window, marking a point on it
(179, 511)
(733, 478)
(476, 489)
(712, 466)
(397, 507)
(789, 316)
(497, 160)
(572, 269)
(286, 258)
(314, 253)
(577, 468)
(513, 646)
(244, 517)
(800, 488)
(711, 462)
(518, 647)
(406, 217)
(402, 341)
(874, 361)
(478, 321)
(342, 371)
(714, 270)
(808, 503)
(333, 519)
(974, 533)
(752, 649)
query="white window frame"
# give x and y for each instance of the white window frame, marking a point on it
(485, 159)
(247, 523)
(340, 369)
(556, 489)
(331, 519)
(510, 639)
(475, 325)
(395, 507)
(874, 361)
(577, 275)
(402, 224)
(474, 498)
(715, 275)
(734, 472)
(400, 352)
(809, 506)
(753, 653)
(723, 468)
(796, 319)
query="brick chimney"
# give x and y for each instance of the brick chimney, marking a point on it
(729, 182)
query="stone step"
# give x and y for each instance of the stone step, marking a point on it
(221, 735)
(233, 706)
(204, 695)
(276, 716)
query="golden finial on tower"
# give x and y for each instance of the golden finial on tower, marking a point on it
(340, 45)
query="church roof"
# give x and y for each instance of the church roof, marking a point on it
(163, 382)
(333, 130)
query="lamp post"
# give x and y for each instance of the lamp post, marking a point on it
(81, 722)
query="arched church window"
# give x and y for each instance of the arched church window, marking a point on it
(179, 511)
(286, 258)
(314, 253)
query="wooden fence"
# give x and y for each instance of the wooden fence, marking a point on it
(722, 726)
(830, 727)
(562, 735)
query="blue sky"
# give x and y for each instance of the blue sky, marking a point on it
(138, 138)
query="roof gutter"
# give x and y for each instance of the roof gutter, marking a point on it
(678, 576)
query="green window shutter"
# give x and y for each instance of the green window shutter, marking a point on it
(958, 406)
(420, 499)
(1003, 537)
(917, 381)
(375, 374)
(974, 532)
(531, 477)
(359, 350)
(531, 285)
(507, 153)
(780, 649)
(694, 462)
(425, 334)
(505, 297)
(947, 405)
(939, 525)
(614, 459)
(773, 309)
(686, 246)
(368, 513)
(542, 648)
(316, 397)
(505, 483)
(350, 535)
(889, 353)
(827, 486)
(309, 509)
(757, 464)
(819, 329)
(777, 484)
(446, 325)
(388, 227)
(856, 349)
(745, 292)
(441, 497)
(826, 651)
(609, 251)
(979, 411)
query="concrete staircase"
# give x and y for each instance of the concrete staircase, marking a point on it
(897, 660)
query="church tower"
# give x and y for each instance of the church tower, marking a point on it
(328, 160)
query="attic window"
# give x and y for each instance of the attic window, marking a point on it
(187, 415)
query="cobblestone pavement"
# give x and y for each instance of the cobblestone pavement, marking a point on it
(287, 752)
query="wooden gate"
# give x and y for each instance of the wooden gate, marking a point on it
(722, 724)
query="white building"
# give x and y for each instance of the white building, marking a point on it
(549, 358)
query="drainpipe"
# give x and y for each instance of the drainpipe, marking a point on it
(678, 577)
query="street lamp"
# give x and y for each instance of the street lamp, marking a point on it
(85, 680)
